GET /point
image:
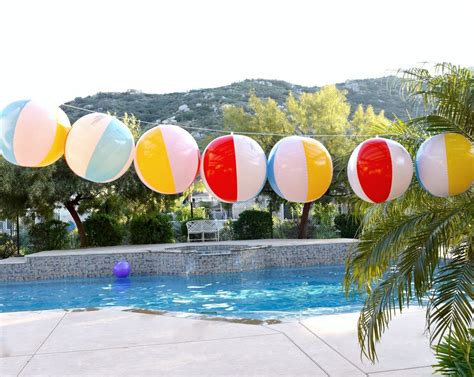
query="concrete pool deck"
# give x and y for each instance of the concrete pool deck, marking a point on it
(122, 342)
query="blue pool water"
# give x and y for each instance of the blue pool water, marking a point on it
(263, 294)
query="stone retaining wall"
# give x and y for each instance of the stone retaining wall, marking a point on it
(178, 261)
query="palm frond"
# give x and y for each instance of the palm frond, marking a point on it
(419, 246)
(455, 358)
(450, 311)
(397, 261)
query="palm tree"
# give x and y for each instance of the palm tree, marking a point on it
(420, 247)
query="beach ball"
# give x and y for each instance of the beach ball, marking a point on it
(445, 164)
(33, 134)
(299, 169)
(233, 168)
(379, 170)
(167, 159)
(122, 269)
(99, 148)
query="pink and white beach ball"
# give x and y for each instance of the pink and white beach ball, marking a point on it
(167, 159)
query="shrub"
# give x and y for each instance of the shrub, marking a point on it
(348, 225)
(150, 228)
(49, 235)
(286, 229)
(227, 232)
(253, 224)
(7, 246)
(324, 214)
(103, 230)
(184, 213)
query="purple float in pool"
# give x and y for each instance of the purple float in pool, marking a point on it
(122, 269)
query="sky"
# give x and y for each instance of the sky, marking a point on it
(58, 50)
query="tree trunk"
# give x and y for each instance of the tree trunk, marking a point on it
(304, 220)
(18, 235)
(270, 209)
(71, 207)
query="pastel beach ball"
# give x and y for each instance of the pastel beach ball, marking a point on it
(99, 148)
(33, 134)
(233, 168)
(379, 170)
(299, 169)
(167, 159)
(445, 164)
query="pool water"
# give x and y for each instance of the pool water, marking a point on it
(272, 293)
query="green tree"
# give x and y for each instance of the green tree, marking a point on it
(262, 116)
(325, 112)
(23, 190)
(366, 122)
(124, 197)
(40, 191)
(420, 247)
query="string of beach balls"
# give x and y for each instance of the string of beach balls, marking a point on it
(100, 148)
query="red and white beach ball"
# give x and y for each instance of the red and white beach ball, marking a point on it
(167, 159)
(379, 170)
(299, 169)
(99, 148)
(33, 134)
(234, 168)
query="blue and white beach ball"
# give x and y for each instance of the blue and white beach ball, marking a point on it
(99, 148)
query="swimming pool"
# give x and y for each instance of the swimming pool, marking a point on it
(263, 294)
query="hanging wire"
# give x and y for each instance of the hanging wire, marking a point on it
(244, 132)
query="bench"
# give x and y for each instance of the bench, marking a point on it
(202, 227)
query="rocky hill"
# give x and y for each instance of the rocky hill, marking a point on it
(203, 107)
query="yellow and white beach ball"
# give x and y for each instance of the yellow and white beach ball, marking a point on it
(299, 169)
(33, 134)
(99, 148)
(167, 159)
(445, 164)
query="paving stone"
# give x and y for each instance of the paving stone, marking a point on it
(108, 328)
(404, 344)
(329, 360)
(11, 366)
(22, 333)
(271, 355)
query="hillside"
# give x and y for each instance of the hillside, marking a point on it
(203, 107)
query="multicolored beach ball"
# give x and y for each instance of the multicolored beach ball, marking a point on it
(33, 134)
(167, 159)
(234, 168)
(445, 164)
(379, 170)
(299, 169)
(99, 148)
